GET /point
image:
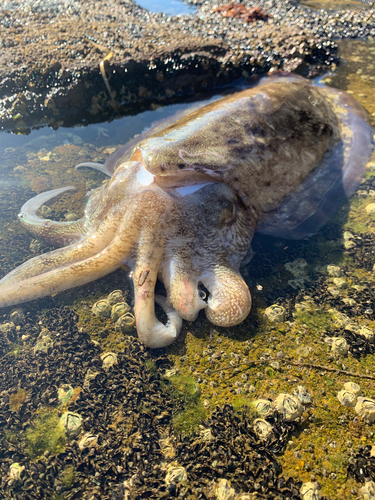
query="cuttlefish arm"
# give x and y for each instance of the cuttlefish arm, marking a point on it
(52, 232)
(136, 241)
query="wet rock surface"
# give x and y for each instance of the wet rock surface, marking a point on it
(70, 62)
(114, 431)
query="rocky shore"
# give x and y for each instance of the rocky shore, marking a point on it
(67, 62)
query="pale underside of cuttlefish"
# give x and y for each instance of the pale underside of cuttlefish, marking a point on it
(183, 202)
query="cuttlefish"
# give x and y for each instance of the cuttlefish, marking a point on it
(183, 202)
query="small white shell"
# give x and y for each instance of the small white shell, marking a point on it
(334, 291)
(126, 322)
(64, 393)
(366, 332)
(17, 317)
(7, 328)
(101, 308)
(275, 313)
(264, 407)
(90, 375)
(72, 423)
(365, 407)
(333, 270)
(15, 471)
(339, 282)
(340, 318)
(289, 406)
(108, 359)
(167, 448)
(175, 474)
(115, 296)
(347, 398)
(88, 441)
(262, 428)
(338, 345)
(223, 490)
(368, 490)
(303, 395)
(118, 310)
(206, 434)
(310, 491)
(353, 387)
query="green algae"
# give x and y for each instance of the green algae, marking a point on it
(187, 422)
(45, 434)
(67, 477)
(151, 366)
(316, 320)
(185, 392)
(17, 399)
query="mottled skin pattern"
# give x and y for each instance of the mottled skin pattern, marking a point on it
(183, 203)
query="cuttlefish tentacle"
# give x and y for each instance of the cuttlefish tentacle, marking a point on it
(230, 300)
(52, 232)
(96, 241)
(151, 249)
(75, 273)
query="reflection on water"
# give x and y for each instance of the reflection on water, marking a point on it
(128, 414)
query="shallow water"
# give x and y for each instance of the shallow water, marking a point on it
(169, 7)
(321, 444)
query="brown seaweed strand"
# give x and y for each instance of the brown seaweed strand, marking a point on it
(296, 363)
